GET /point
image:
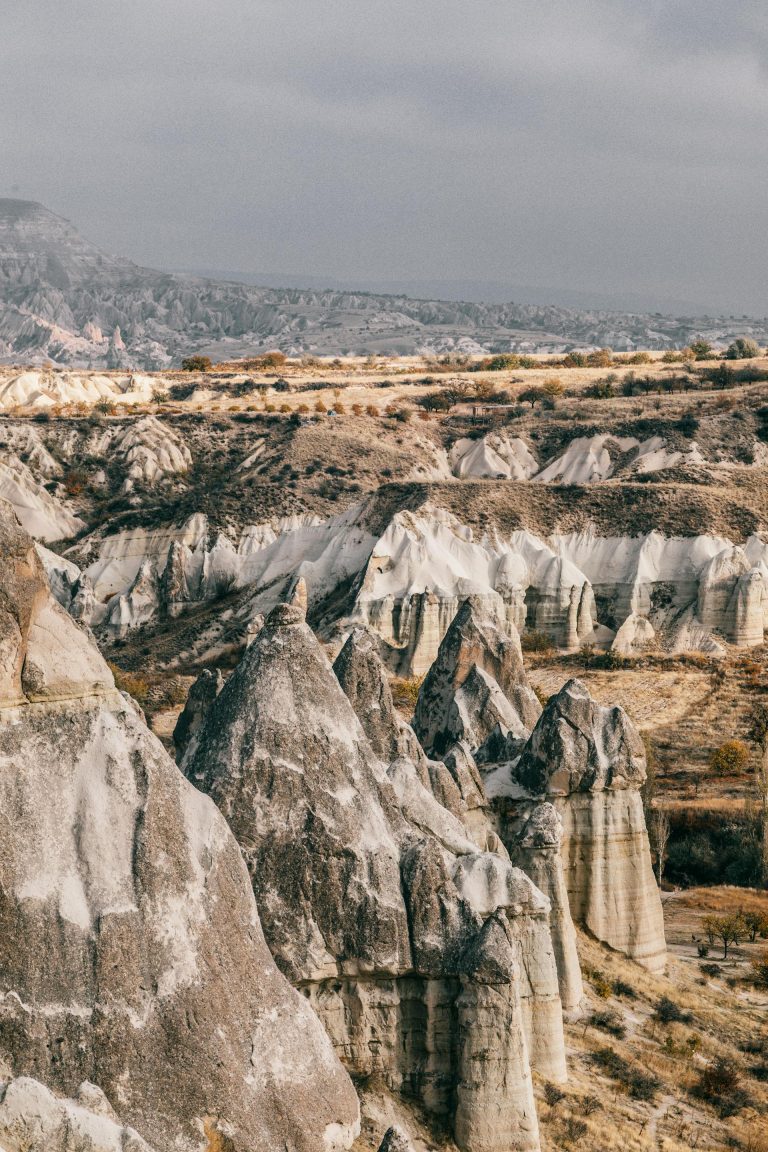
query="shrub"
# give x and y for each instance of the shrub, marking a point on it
(600, 390)
(107, 408)
(405, 692)
(603, 358)
(196, 364)
(621, 988)
(730, 758)
(552, 1094)
(640, 1085)
(436, 401)
(536, 642)
(609, 1021)
(371, 410)
(742, 349)
(74, 481)
(320, 407)
(600, 983)
(134, 685)
(668, 1012)
(760, 969)
(719, 1083)
(553, 386)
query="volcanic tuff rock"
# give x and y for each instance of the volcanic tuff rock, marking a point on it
(63, 299)
(589, 761)
(200, 697)
(476, 683)
(32, 1119)
(429, 961)
(131, 953)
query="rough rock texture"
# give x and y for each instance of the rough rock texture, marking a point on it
(200, 697)
(395, 1140)
(537, 850)
(589, 761)
(361, 674)
(32, 1119)
(131, 953)
(417, 950)
(476, 683)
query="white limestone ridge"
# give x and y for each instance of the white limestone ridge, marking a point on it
(677, 593)
(128, 922)
(41, 388)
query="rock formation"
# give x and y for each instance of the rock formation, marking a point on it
(131, 953)
(200, 697)
(395, 1140)
(32, 1119)
(536, 848)
(476, 684)
(429, 961)
(589, 761)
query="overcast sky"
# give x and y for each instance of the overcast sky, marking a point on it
(614, 146)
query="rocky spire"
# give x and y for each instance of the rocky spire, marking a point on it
(589, 761)
(372, 893)
(131, 952)
(476, 683)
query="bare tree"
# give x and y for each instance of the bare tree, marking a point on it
(659, 836)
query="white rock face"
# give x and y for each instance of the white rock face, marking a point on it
(590, 763)
(32, 1119)
(42, 515)
(130, 946)
(577, 588)
(429, 961)
(495, 456)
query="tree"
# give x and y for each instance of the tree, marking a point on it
(757, 925)
(730, 758)
(742, 349)
(531, 396)
(702, 349)
(659, 830)
(196, 364)
(728, 929)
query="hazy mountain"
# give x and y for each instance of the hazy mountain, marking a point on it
(62, 299)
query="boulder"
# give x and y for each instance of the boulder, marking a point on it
(131, 953)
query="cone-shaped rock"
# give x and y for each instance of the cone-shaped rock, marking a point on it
(476, 683)
(131, 953)
(589, 761)
(374, 899)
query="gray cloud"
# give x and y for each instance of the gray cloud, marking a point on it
(608, 146)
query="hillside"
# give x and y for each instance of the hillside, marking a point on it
(62, 300)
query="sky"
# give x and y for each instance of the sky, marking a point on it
(616, 147)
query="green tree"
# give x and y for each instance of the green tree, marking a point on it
(742, 349)
(702, 349)
(728, 929)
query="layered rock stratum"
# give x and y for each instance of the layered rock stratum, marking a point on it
(131, 953)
